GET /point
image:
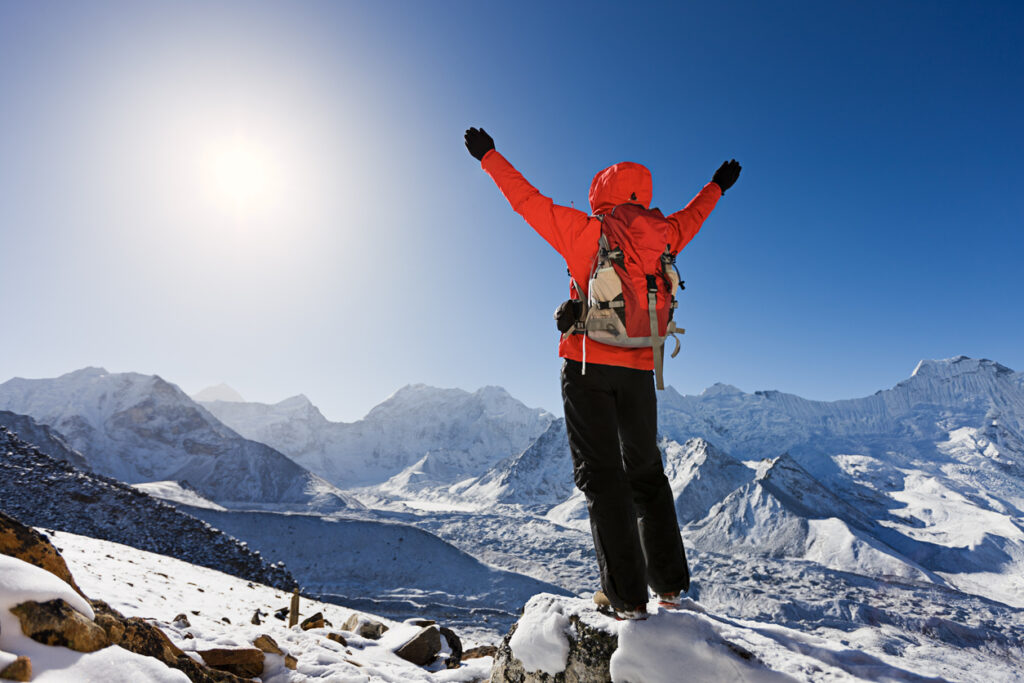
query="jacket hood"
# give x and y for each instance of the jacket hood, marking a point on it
(617, 184)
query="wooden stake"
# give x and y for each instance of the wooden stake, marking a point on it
(293, 613)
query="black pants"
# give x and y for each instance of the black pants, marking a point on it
(612, 419)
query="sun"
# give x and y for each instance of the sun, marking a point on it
(242, 176)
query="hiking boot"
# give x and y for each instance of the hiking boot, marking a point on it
(670, 600)
(637, 614)
(604, 606)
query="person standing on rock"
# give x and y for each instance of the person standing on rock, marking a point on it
(608, 391)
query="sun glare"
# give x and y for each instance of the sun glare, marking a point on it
(242, 177)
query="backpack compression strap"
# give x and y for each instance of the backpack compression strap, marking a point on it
(657, 341)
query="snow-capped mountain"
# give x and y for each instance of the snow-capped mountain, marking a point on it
(139, 428)
(42, 491)
(540, 475)
(909, 419)
(700, 476)
(784, 512)
(923, 481)
(460, 434)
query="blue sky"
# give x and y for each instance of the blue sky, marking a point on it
(276, 195)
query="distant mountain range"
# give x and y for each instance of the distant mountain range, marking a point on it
(140, 428)
(420, 435)
(923, 481)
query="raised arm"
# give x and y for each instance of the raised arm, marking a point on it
(687, 222)
(560, 226)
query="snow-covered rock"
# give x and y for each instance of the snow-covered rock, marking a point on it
(567, 639)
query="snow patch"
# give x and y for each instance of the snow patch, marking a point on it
(541, 642)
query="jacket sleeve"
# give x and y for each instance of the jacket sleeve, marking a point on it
(687, 221)
(560, 226)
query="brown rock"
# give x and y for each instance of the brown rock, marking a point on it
(18, 670)
(25, 543)
(315, 621)
(255, 621)
(290, 662)
(141, 637)
(247, 662)
(422, 648)
(337, 637)
(364, 626)
(55, 622)
(181, 621)
(268, 644)
(111, 626)
(144, 638)
(481, 651)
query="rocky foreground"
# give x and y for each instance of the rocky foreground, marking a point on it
(165, 620)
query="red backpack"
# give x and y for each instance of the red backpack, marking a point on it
(631, 293)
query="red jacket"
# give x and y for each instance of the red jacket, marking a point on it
(575, 235)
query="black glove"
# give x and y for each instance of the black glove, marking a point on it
(727, 174)
(478, 142)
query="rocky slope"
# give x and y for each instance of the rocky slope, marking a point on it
(46, 492)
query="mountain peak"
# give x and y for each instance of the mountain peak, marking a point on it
(720, 389)
(297, 402)
(86, 373)
(958, 365)
(219, 392)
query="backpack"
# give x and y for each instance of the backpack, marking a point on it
(631, 292)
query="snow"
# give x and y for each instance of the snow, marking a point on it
(946, 517)
(696, 643)
(21, 582)
(174, 492)
(219, 608)
(659, 649)
(540, 641)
